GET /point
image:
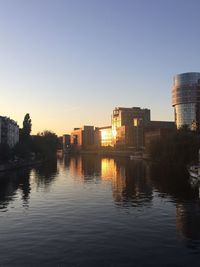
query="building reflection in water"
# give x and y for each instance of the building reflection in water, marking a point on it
(188, 221)
(134, 182)
(83, 168)
(130, 185)
(173, 182)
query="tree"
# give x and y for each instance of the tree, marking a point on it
(180, 148)
(45, 144)
(26, 130)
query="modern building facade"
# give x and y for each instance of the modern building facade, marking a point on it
(128, 126)
(129, 116)
(9, 131)
(127, 131)
(104, 136)
(186, 100)
(82, 138)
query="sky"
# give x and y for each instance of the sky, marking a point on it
(68, 63)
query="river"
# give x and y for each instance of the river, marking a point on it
(96, 211)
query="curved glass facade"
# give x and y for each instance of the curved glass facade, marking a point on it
(186, 99)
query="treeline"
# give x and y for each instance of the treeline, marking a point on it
(31, 147)
(180, 148)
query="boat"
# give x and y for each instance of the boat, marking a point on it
(136, 155)
(194, 170)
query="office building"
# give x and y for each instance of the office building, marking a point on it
(186, 100)
(129, 116)
(9, 132)
(128, 126)
(82, 138)
(127, 131)
(157, 130)
(104, 136)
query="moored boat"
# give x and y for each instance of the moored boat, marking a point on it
(194, 170)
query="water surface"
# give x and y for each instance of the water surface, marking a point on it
(93, 211)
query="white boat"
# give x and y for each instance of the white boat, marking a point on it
(194, 170)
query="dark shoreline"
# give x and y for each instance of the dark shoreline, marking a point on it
(121, 153)
(17, 165)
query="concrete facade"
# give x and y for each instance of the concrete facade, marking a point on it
(128, 126)
(9, 131)
(82, 138)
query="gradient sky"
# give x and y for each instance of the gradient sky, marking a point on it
(69, 63)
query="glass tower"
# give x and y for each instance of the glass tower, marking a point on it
(186, 100)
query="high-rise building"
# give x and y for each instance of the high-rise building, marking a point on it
(9, 131)
(186, 100)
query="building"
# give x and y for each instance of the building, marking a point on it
(128, 126)
(128, 129)
(104, 136)
(157, 135)
(154, 125)
(82, 138)
(9, 131)
(129, 136)
(128, 116)
(156, 130)
(186, 100)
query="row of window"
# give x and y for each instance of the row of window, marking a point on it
(185, 114)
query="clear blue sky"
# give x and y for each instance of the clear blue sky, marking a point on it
(70, 62)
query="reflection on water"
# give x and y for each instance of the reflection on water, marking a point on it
(159, 204)
(14, 184)
(133, 183)
(44, 175)
(130, 183)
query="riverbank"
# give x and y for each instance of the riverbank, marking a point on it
(120, 153)
(18, 164)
